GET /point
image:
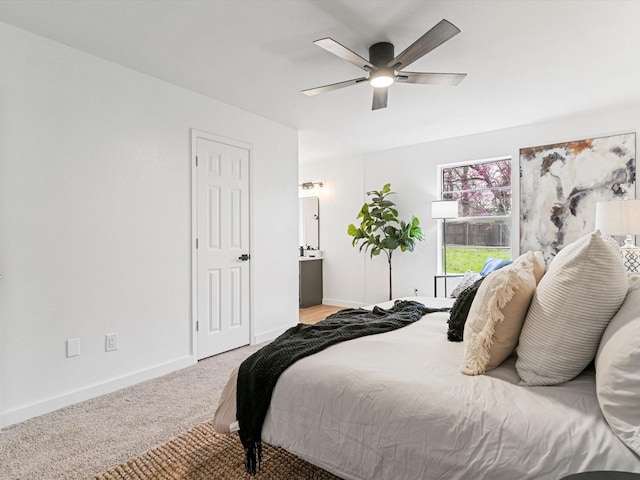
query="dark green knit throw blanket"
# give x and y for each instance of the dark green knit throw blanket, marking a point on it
(259, 373)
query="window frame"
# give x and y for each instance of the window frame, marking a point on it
(440, 168)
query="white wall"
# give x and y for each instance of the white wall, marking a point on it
(95, 222)
(343, 188)
(412, 172)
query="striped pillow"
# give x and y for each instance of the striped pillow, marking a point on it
(583, 288)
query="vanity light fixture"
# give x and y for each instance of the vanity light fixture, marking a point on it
(310, 185)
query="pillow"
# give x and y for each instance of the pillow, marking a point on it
(225, 414)
(468, 279)
(618, 371)
(497, 313)
(582, 290)
(460, 310)
(493, 264)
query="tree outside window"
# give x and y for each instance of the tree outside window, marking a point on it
(483, 229)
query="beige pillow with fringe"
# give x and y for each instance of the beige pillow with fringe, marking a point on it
(498, 312)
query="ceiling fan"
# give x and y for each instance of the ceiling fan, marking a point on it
(385, 69)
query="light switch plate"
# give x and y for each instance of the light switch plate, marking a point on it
(73, 347)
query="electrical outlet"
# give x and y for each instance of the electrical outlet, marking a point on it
(111, 342)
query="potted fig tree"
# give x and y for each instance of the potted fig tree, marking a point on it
(380, 230)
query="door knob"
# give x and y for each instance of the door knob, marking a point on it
(244, 257)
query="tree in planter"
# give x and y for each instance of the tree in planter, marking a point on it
(380, 229)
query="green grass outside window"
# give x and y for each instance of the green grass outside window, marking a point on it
(461, 259)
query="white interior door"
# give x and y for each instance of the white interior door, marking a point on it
(222, 247)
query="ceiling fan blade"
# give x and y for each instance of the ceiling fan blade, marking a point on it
(330, 45)
(435, 37)
(451, 79)
(380, 98)
(334, 86)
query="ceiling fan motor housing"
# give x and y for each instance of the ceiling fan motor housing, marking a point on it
(380, 54)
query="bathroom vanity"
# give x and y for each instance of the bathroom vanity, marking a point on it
(310, 257)
(310, 279)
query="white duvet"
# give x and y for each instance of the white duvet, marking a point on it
(395, 406)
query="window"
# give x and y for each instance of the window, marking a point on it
(483, 228)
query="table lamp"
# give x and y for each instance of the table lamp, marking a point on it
(622, 217)
(443, 210)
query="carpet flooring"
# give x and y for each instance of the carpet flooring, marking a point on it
(203, 454)
(88, 438)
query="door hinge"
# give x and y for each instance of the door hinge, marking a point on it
(197, 326)
(196, 160)
(196, 243)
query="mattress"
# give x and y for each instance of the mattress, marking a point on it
(395, 406)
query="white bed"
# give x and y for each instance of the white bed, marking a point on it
(395, 406)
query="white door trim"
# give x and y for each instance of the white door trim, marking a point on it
(195, 134)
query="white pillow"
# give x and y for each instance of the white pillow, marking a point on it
(498, 310)
(225, 414)
(582, 290)
(468, 279)
(618, 371)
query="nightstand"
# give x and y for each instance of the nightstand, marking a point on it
(443, 277)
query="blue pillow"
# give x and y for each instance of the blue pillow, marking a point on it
(493, 264)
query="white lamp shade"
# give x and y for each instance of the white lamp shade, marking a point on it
(444, 209)
(621, 217)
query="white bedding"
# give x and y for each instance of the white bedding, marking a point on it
(395, 406)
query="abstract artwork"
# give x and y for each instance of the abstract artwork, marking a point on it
(560, 185)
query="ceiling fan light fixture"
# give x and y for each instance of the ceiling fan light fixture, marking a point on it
(381, 78)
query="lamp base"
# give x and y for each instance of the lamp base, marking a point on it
(630, 255)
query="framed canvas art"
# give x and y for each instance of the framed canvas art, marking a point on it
(561, 183)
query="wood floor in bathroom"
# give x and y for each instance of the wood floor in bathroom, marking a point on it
(317, 312)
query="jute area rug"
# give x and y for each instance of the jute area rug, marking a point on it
(203, 454)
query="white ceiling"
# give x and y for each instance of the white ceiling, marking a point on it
(527, 61)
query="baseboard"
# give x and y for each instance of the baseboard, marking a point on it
(270, 335)
(341, 303)
(26, 412)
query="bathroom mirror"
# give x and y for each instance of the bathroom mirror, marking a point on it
(309, 222)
